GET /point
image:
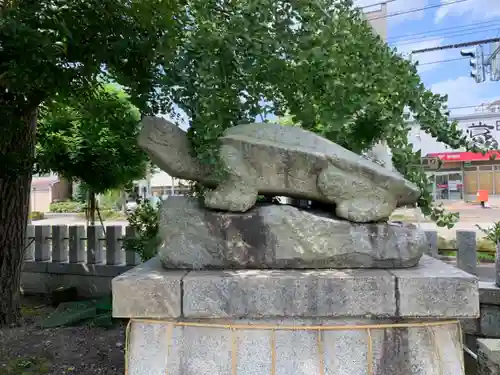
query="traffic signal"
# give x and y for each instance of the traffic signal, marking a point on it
(476, 62)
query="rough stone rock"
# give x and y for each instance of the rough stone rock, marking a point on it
(280, 236)
(279, 160)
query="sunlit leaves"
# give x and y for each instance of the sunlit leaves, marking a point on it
(92, 140)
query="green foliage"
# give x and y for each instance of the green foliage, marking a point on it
(111, 199)
(67, 207)
(492, 233)
(36, 215)
(145, 220)
(92, 140)
(81, 193)
(26, 366)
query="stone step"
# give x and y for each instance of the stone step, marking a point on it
(433, 289)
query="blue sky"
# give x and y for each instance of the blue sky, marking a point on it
(473, 19)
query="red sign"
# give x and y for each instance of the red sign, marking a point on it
(464, 156)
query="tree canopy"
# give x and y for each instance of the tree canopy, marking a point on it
(52, 49)
(93, 140)
(318, 61)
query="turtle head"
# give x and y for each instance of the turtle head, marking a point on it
(169, 148)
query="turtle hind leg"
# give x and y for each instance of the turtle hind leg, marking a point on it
(356, 198)
(238, 193)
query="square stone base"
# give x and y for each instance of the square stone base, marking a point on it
(294, 347)
(432, 289)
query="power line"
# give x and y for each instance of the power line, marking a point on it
(457, 45)
(451, 34)
(445, 61)
(418, 9)
(471, 106)
(379, 3)
(443, 37)
(442, 61)
(443, 29)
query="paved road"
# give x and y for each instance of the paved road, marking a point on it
(71, 219)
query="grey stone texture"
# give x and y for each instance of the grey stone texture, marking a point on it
(281, 160)
(254, 294)
(280, 236)
(435, 288)
(432, 243)
(432, 289)
(147, 291)
(156, 348)
(488, 357)
(487, 325)
(466, 255)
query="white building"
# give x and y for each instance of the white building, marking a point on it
(463, 173)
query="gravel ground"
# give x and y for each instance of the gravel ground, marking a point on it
(28, 350)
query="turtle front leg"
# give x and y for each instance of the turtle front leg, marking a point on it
(356, 197)
(238, 193)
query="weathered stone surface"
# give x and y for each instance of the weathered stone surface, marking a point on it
(436, 291)
(280, 236)
(489, 293)
(488, 357)
(148, 291)
(489, 321)
(282, 160)
(435, 288)
(254, 294)
(159, 348)
(429, 290)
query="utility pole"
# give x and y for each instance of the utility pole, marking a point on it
(494, 61)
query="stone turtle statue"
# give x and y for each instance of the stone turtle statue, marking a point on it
(272, 159)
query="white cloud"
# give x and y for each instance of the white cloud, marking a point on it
(472, 9)
(465, 92)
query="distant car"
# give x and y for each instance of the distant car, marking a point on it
(132, 205)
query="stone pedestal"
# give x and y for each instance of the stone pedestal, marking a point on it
(280, 237)
(296, 322)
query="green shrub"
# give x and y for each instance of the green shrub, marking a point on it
(66, 207)
(145, 220)
(492, 233)
(37, 215)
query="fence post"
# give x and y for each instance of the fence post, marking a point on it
(466, 254)
(131, 257)
(42, 243)
(76, 244)
(29, 252)
(432, 243)
(94, 245)
(59, 243)
(114, 251)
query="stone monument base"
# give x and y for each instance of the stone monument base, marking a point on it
(240, 322)
(293, 347)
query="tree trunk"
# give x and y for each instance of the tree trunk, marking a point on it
(15, 188)
(92, 207)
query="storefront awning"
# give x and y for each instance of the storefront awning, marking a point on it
(464, 156)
